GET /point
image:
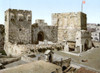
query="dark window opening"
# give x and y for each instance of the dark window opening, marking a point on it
(40, 50)
(5, 18)
(86, 45)
(20, 42)
(29, 19)
(20, 19)
(12, 19)
(71, 49)
(20, 29)
(53, 72)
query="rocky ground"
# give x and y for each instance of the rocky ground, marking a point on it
(89, 59)
(80, 63)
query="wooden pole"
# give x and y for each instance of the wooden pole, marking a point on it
(82, 6)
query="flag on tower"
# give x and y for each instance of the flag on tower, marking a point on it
(83, 2)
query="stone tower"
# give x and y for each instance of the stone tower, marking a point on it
(18, 26)
(17, 31)
(68, 24)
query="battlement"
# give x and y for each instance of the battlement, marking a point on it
(39, 21)
(16, 10)
(20, 15)
(68, 13)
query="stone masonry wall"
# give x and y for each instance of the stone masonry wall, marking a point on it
(49, 33)
(18, 26)
(68, 24)
(17, 31)
(83, 40)
(2, 36)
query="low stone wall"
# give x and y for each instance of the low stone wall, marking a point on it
(19, 50)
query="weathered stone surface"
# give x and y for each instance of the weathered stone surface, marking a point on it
(34, 67)
(68, 24)
(2, 37)
(45, 32)
(62, 63)
(41, 22)
(17, 29)
(18, 26)
(83, 41)
(20, 35)
(72, 27)
(19, 50)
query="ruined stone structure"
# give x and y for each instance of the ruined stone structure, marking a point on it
(2, 37)
(83, 41)
(17, 30)
(21, 35)
(72, 27)
(41, 31)
(68, 24)
(18, 26)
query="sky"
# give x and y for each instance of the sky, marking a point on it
(42, 9)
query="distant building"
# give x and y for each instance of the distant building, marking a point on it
(95, 31)
(91, 27)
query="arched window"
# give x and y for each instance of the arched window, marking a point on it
(20, 17)
(86, 45)
(12, 16)
(40, 36)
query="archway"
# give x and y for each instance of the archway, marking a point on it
(86, 45)
(40, 36)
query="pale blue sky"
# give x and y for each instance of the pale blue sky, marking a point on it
(42, 9)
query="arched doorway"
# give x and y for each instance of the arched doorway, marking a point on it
(40, 36)
(86, 45)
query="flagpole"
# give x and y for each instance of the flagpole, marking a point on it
(83, 2)
(82, 6)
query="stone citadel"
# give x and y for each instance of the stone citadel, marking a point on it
(67, 28)
(65, 46)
